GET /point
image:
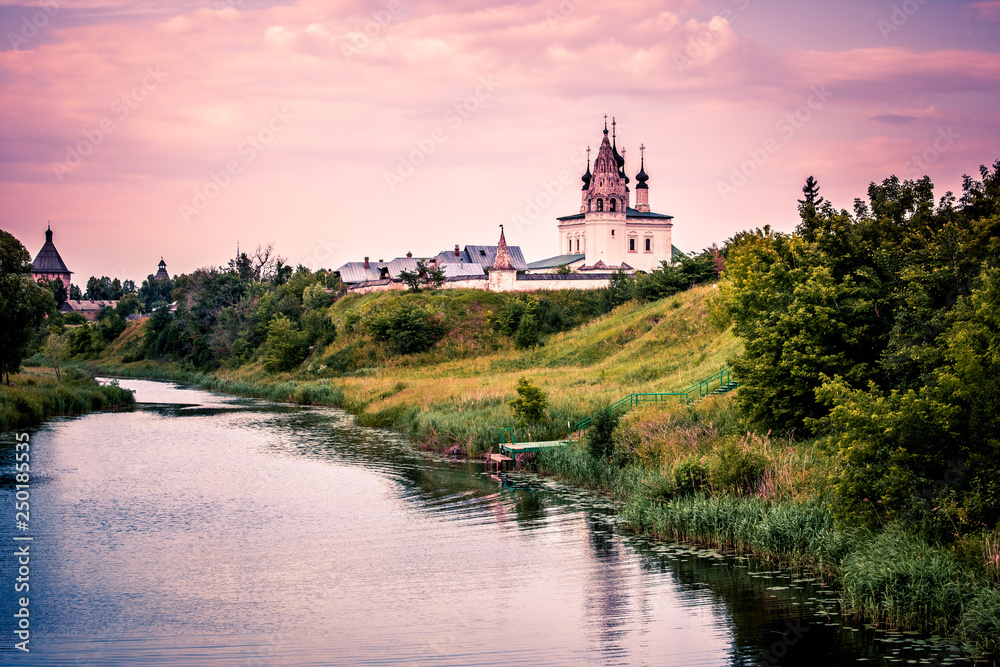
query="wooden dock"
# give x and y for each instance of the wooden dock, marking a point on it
(519, 447)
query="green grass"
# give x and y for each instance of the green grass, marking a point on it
(35, 395)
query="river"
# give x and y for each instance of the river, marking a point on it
(203, 529)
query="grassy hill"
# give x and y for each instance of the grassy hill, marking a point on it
(457, 391)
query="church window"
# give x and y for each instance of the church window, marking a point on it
(600, 204)
(578, 245)
(631, 245)
(649, 245)
(612, 232)
(614, 205)
(570, 249)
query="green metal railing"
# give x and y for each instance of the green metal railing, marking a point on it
(721, 380)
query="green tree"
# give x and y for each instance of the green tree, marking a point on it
(58, 290)
(531, 402)
(55, 351)
(527, 335)
(23, 304)
(600, 435)
(285, 347)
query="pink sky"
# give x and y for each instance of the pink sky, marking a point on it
(304, 112)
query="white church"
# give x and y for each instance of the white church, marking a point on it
(607, 235)
(608, 232)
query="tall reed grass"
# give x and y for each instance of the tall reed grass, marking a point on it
(35, 397)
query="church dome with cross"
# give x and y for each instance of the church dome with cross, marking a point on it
(609, 233)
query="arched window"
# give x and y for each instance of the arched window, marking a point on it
(600, 204)
(613, 205)
(578, 245)
(570, 245)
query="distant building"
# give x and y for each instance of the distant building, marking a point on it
(89, 309)
(608, 231)
(473, 261)
(48, 265)
(162, 274)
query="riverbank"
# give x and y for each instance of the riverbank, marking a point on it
(35, 395)
(679, 472)
(890, 579)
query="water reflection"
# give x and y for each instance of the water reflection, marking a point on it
(203, 529)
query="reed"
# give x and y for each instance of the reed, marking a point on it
(35, 396)
(898, 579)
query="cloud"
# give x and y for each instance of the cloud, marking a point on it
(893, 119)
(989, 10)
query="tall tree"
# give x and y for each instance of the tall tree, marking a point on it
(808, 209)
(23, 304)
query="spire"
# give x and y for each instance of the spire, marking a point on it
(642, 177)
(606, 124)
(588, 176)
(48, 233)
(619, 160)
(502, 260)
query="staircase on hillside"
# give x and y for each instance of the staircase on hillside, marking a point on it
(693, 394)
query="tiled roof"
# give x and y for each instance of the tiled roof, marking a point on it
(553, 262)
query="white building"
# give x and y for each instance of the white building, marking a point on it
(608, 231)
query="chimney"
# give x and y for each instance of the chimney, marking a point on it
(456, 250)
(366, 263)
(409, 254)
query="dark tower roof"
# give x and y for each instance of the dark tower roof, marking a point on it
(586, 177)
(48, 260)
(642, 177)
(162, 274)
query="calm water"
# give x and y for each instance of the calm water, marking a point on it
(207, 530)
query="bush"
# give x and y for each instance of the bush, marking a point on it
(527, 333)
(529, 406)
(738, 468)
(690, 475)
(412, 329)
(600, 435)
(285, 347)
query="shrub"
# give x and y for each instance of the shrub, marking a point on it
(285, 347)
(738, 468)
(690, 475)
(530, 404)
(527, 333)
(600, 436)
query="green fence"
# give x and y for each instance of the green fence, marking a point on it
(714, 384)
